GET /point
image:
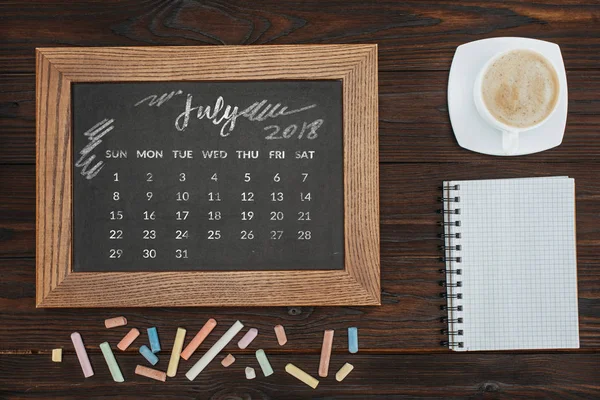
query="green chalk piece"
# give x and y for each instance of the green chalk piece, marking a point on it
(265, 365)
(115, 371)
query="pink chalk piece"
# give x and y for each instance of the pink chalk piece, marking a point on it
(326, 353)
(248, 338)
(198, 339)
(128, 339)
(227, 361)
(82, 355)
(280, 333)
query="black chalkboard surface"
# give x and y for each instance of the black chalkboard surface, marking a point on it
(177, 176)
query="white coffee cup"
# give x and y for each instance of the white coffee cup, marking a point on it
(510, 134)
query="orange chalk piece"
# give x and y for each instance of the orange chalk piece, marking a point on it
(280, 333)
(198, 339)
(227, 361)
(151, 373)
(114, 322)
(326, 353)
(128, 339)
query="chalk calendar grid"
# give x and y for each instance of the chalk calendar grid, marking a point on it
(518, 261)
(184, 192)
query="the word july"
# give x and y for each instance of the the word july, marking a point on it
(226, 115)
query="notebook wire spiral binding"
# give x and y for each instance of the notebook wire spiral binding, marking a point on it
(452, 272)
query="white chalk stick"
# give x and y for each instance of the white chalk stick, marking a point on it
(214, 350)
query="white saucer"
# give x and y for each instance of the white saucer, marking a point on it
(471, 131)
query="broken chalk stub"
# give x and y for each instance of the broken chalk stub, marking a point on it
(148, 354)
(353, 340)
(248, 338)
(280, 333)
(250, 373)
(153, 339)
(265, 365)
(343, 372)
(115, 322)
(150, 373)
(227, 361)
(128, 339)
(57, 355)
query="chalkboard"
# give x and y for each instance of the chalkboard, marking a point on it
(208, 176)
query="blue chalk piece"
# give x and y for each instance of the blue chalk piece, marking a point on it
(148, 355)
(353, 340)
(154, 342)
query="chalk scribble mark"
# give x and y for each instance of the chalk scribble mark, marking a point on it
(156, 100)
(94, 135)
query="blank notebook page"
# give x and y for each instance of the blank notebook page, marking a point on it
(519, 264)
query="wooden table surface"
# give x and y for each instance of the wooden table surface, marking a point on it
(399, 353)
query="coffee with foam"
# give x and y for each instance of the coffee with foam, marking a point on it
(520, 88)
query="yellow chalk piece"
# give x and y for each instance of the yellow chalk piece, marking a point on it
(301, 375)
(57, 355)
(176, 353)
(343, 372)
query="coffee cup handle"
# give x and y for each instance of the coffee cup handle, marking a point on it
(510, 142)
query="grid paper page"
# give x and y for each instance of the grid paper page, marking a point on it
(519, 265)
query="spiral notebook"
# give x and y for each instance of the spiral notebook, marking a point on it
(511, 265)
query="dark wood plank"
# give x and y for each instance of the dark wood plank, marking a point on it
(407, 320)
(413, 35)
(413, 119)
(441, 376)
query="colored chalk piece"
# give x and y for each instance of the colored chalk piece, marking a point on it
(248, 338)
(250, 373)
(176, 353)
(82, 355)
(343, 372)
(153, 339)
(264, 363)
(301, 375)
(115, 322)
(214, 350)
(227, 361)
(353, 340)
(280, 333)
(150, 373)
(148, 354)
(128, 339)
(326, 353)
(57, 355)
(113, 367)
(198, 339)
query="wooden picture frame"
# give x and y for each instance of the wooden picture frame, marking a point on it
(58, 286)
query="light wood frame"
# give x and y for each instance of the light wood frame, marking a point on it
(58, 286)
